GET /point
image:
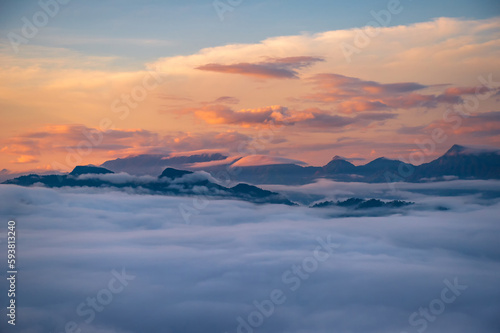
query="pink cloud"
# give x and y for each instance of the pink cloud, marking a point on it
(350, 95)
(482, 125)
(219, 114)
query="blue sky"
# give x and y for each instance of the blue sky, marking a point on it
(179, 27)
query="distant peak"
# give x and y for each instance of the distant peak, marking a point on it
(89, 169)
(471, 150)
(260, 160)
(383, 162)
(382, 159)
(174, 173)
(455, 149)
(339, 164)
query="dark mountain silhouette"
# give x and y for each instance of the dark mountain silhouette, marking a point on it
(256, 194)
(462, 162)
(89, 169)
(339, 165)
(357, 203)
(459, 162)
(174, 173)
(376, 171)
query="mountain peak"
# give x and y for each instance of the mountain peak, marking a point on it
(86, 169)
(339, 165)
(174, 173)
(472, 150)
(382, 161)
(261, 160)
(455, 150)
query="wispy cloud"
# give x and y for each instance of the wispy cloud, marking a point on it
(275, 68)
(350, 94)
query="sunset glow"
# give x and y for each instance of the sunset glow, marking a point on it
(61, 106)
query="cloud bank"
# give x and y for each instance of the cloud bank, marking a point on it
(204, 276)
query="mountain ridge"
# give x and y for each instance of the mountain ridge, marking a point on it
(458, 162)
(170, 182)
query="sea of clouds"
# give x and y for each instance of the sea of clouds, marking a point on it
(224, 271)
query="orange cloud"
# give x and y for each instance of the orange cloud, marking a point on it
(25, 159)
(219, 114)
(65, 146)
(279, 116)
(482, 125)
(458, 91)
(58, 141)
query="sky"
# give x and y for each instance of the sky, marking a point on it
(89, 81)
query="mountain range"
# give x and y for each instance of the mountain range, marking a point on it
(150, 164)
(357, 203)
(459, 162)
(171, 182)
